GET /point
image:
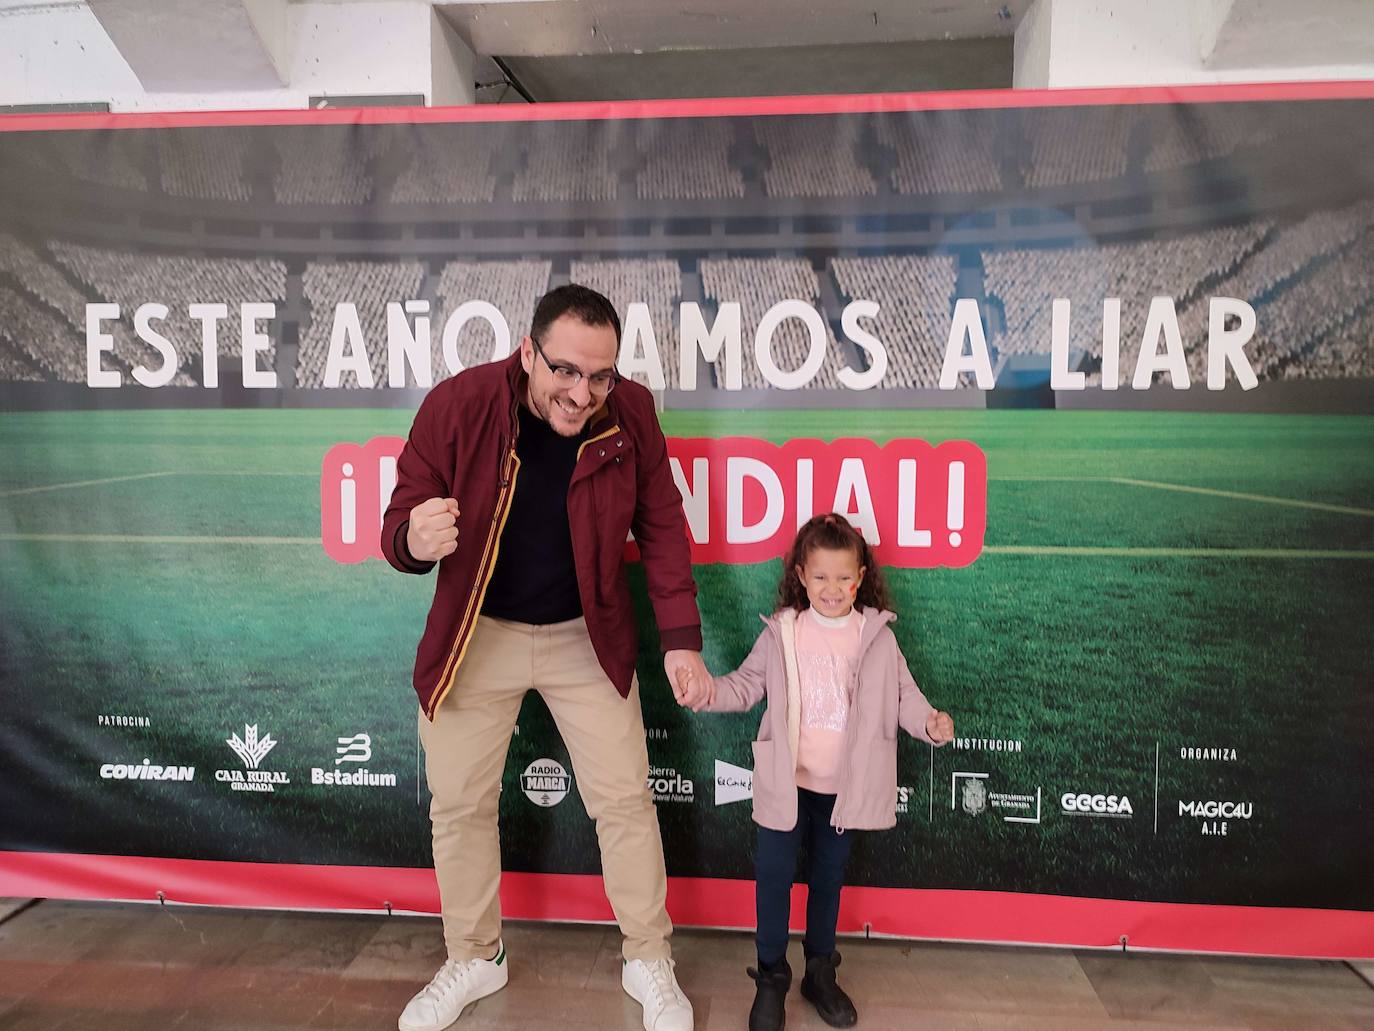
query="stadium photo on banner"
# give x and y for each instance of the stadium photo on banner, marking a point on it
(1094, 378)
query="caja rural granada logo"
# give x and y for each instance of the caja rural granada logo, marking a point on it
(920, 505)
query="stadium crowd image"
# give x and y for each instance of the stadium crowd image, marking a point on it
(825, 210)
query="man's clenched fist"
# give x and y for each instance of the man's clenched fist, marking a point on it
(433, 532)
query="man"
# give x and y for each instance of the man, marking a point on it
(520, 480)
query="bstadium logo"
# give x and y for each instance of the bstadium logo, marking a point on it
(354, 749)
(252, 749)
(733, 783)
(1215, 818)
(971, 794)
(667, 785)
(1078, 803)
(146, 770)
(545, 782)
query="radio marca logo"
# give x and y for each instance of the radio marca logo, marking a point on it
(545, 782)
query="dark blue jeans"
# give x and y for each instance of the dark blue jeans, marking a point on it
(775, 867)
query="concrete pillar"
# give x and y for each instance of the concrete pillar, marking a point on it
(452, 61)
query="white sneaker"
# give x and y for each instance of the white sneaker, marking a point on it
(441, 1002)
(654, 986)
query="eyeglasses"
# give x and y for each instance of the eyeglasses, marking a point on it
(567, 376)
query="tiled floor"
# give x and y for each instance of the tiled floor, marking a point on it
(107, 967)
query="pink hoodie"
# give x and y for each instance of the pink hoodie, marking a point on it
(884, 698)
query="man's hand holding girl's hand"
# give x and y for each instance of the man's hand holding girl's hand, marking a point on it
(692, 685)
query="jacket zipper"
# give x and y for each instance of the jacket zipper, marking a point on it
(848, 736)
(510, 469)
(848, 750)
(592, 440)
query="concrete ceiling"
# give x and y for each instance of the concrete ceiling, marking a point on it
(561, 50)
(1282, 33)
(772, 71)
(548, 28)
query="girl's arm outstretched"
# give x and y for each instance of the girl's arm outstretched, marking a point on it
(915, 714)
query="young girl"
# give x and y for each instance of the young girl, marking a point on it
(825, 762)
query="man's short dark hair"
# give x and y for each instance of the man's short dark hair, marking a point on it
(582, 302)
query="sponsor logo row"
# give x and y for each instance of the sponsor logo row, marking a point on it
(546, 783)
(969, 793)
(252, 749)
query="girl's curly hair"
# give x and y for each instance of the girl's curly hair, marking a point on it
(833, 532)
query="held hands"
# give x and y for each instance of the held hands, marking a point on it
(940, 727)
(433, 532)
(692, 684)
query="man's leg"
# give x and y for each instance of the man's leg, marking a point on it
(605, 738)
(465, 755)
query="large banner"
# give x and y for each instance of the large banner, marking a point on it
(1093, 371)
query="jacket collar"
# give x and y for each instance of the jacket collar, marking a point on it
(874, 621)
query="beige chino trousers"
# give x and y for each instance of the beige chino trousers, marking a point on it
(465, 756)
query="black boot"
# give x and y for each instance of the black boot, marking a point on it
(770, 997)
(818, 987)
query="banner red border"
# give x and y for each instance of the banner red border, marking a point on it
(1335, 89)
(982, 916)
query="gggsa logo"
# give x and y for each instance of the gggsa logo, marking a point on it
(1083, 804)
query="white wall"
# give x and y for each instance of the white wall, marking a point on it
(59, 56)
(63, 55)
(1085, 43)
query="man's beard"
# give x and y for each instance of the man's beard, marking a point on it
(542, 407)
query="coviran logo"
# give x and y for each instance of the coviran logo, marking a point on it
(545, 782)
(147, 770)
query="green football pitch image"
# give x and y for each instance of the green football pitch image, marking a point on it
(1154, 587)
